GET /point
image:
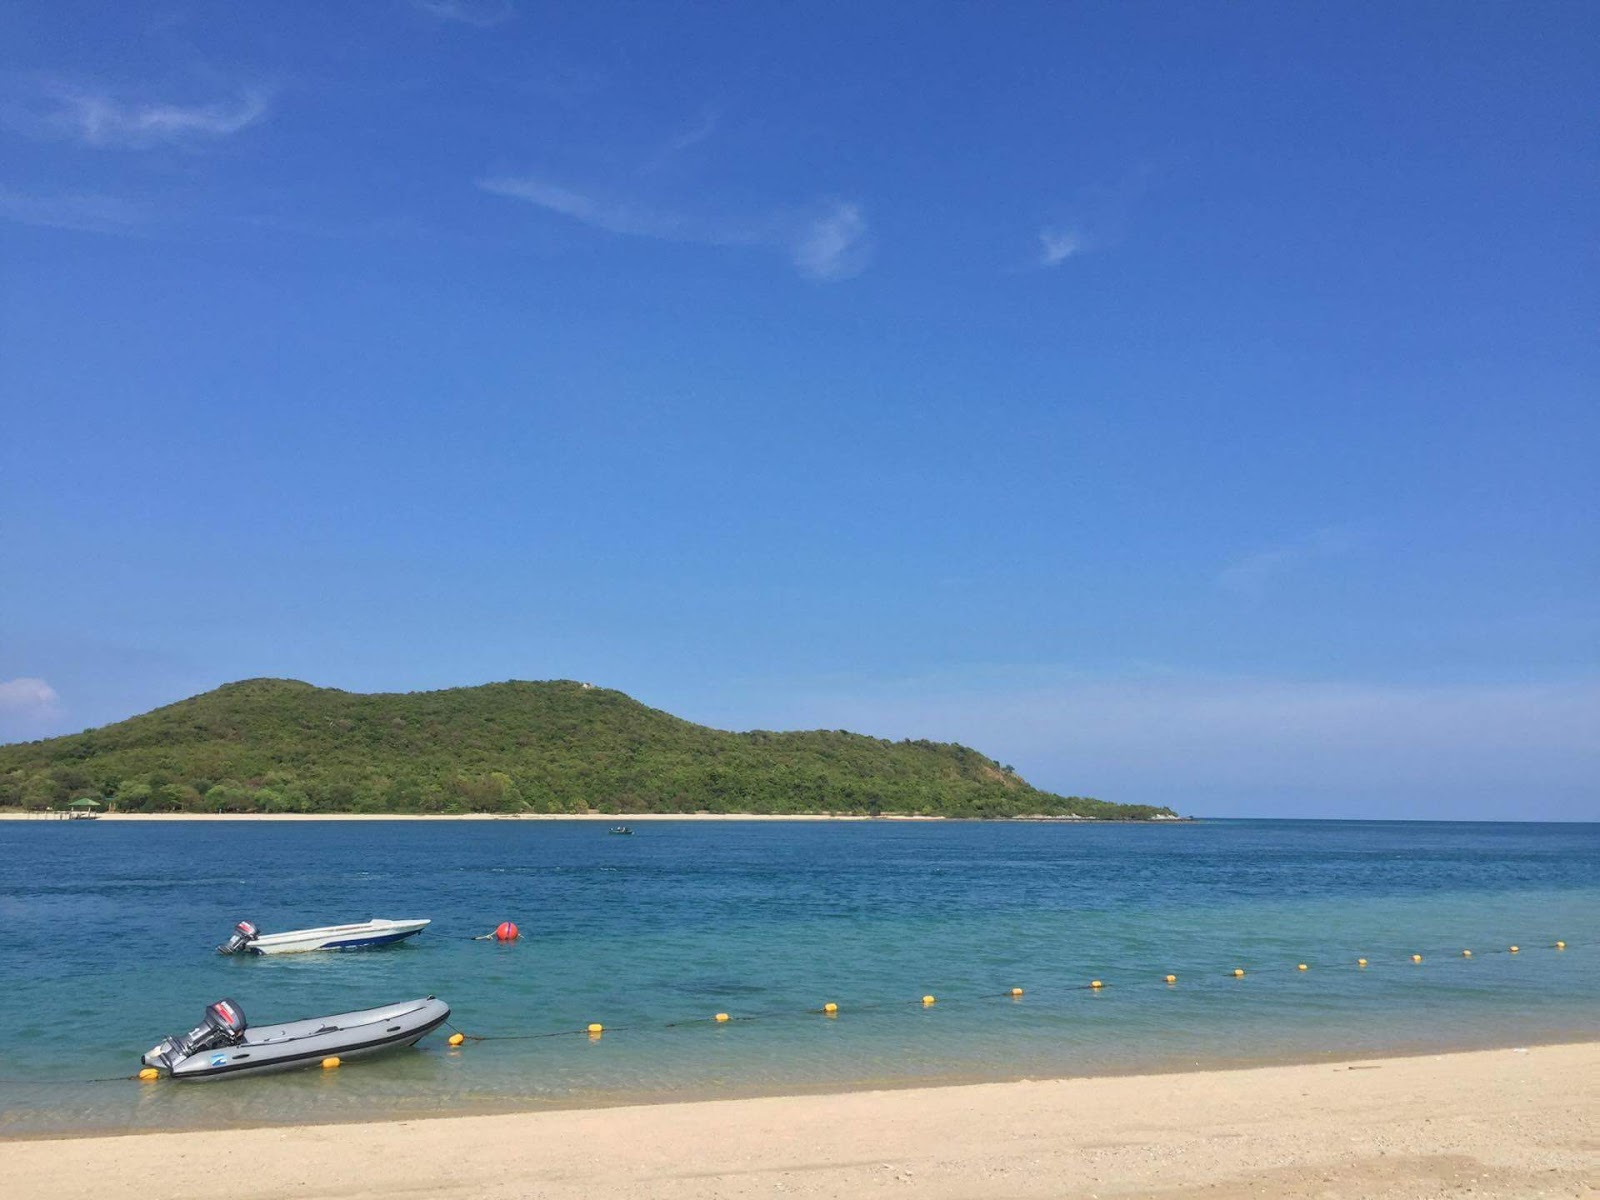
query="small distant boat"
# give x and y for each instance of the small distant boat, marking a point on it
(224, 1045)
(247, 939)
(621, 829)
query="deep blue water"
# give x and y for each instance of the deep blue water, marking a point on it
(107, 932)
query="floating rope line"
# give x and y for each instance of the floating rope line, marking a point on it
(1347, 959)
(33, 1081)
(1136, 976)
(1142, 974)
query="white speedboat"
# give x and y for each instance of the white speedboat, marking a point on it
(247, 939)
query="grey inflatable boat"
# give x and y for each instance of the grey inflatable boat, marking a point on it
(224, 1045)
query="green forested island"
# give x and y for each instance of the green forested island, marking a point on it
(278, 745)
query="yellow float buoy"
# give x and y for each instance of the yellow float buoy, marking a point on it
(456, 1039)
(1561, 945)
(1095, 983)
(722, 1016)
(1416, 958)
(597, 1028)
(1514, 949)
(1172, 979)
(330, 1063)
(830, 1009)
(1238, 972)
(1361, 962)
(149, 1073)
(1466, 954)
(1016, 991)
(927, 1000)
(1302, 967)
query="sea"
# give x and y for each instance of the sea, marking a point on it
(108, 933)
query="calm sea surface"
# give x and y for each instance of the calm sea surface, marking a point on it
(107, 933)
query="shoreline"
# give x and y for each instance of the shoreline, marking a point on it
(645, 1098)
(609, 818)
(1502, 1122)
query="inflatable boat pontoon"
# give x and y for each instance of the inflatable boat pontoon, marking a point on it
(224, 1045)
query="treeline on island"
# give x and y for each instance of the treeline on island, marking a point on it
(274, 745)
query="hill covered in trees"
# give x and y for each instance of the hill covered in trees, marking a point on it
(278, 745)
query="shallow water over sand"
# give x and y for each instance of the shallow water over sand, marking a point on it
(107, 930)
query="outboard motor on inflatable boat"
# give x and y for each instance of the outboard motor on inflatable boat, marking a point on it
(243, 934)
(224, 1026)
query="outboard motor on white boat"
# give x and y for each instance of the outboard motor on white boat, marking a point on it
(224, 1026)
(243, 934)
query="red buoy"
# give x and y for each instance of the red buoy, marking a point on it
(506, 931)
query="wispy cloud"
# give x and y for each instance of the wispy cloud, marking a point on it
(26, 706)
(684, 139)
(99, 119)
(85, 212)
(835, 245)
(623, 217)
(1253, 573)
(1094, 219)
(825, 244)
(482, 13)
(695, 134)
(1058, 245)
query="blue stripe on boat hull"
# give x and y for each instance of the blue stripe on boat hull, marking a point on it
(364, 943)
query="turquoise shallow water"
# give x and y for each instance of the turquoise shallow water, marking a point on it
(107, 933)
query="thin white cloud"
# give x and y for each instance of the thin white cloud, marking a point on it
(1251, 575)
(98, 119)
(824, 246)
(684, 139)
(1058, 245)
(26, 699)
(630, 220)
(483, 14)
(84, 212)
(1094, 219)
(694, 135)
(834, 245)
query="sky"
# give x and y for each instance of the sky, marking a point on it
(1192, 404)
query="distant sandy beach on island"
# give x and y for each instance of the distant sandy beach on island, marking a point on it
(609, 818)
(1492, 1123)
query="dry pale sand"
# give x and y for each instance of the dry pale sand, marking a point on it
(1484, 1124)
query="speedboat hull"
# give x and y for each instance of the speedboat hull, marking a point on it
(361, 936)
(299, 1044)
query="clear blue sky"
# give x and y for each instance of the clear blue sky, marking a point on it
(1186, 403)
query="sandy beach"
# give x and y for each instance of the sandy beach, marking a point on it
(1486, 1123)
(609, 818)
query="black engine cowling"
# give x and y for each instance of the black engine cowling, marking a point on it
(226, 1017)
(224, 1026)
(243, 934)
